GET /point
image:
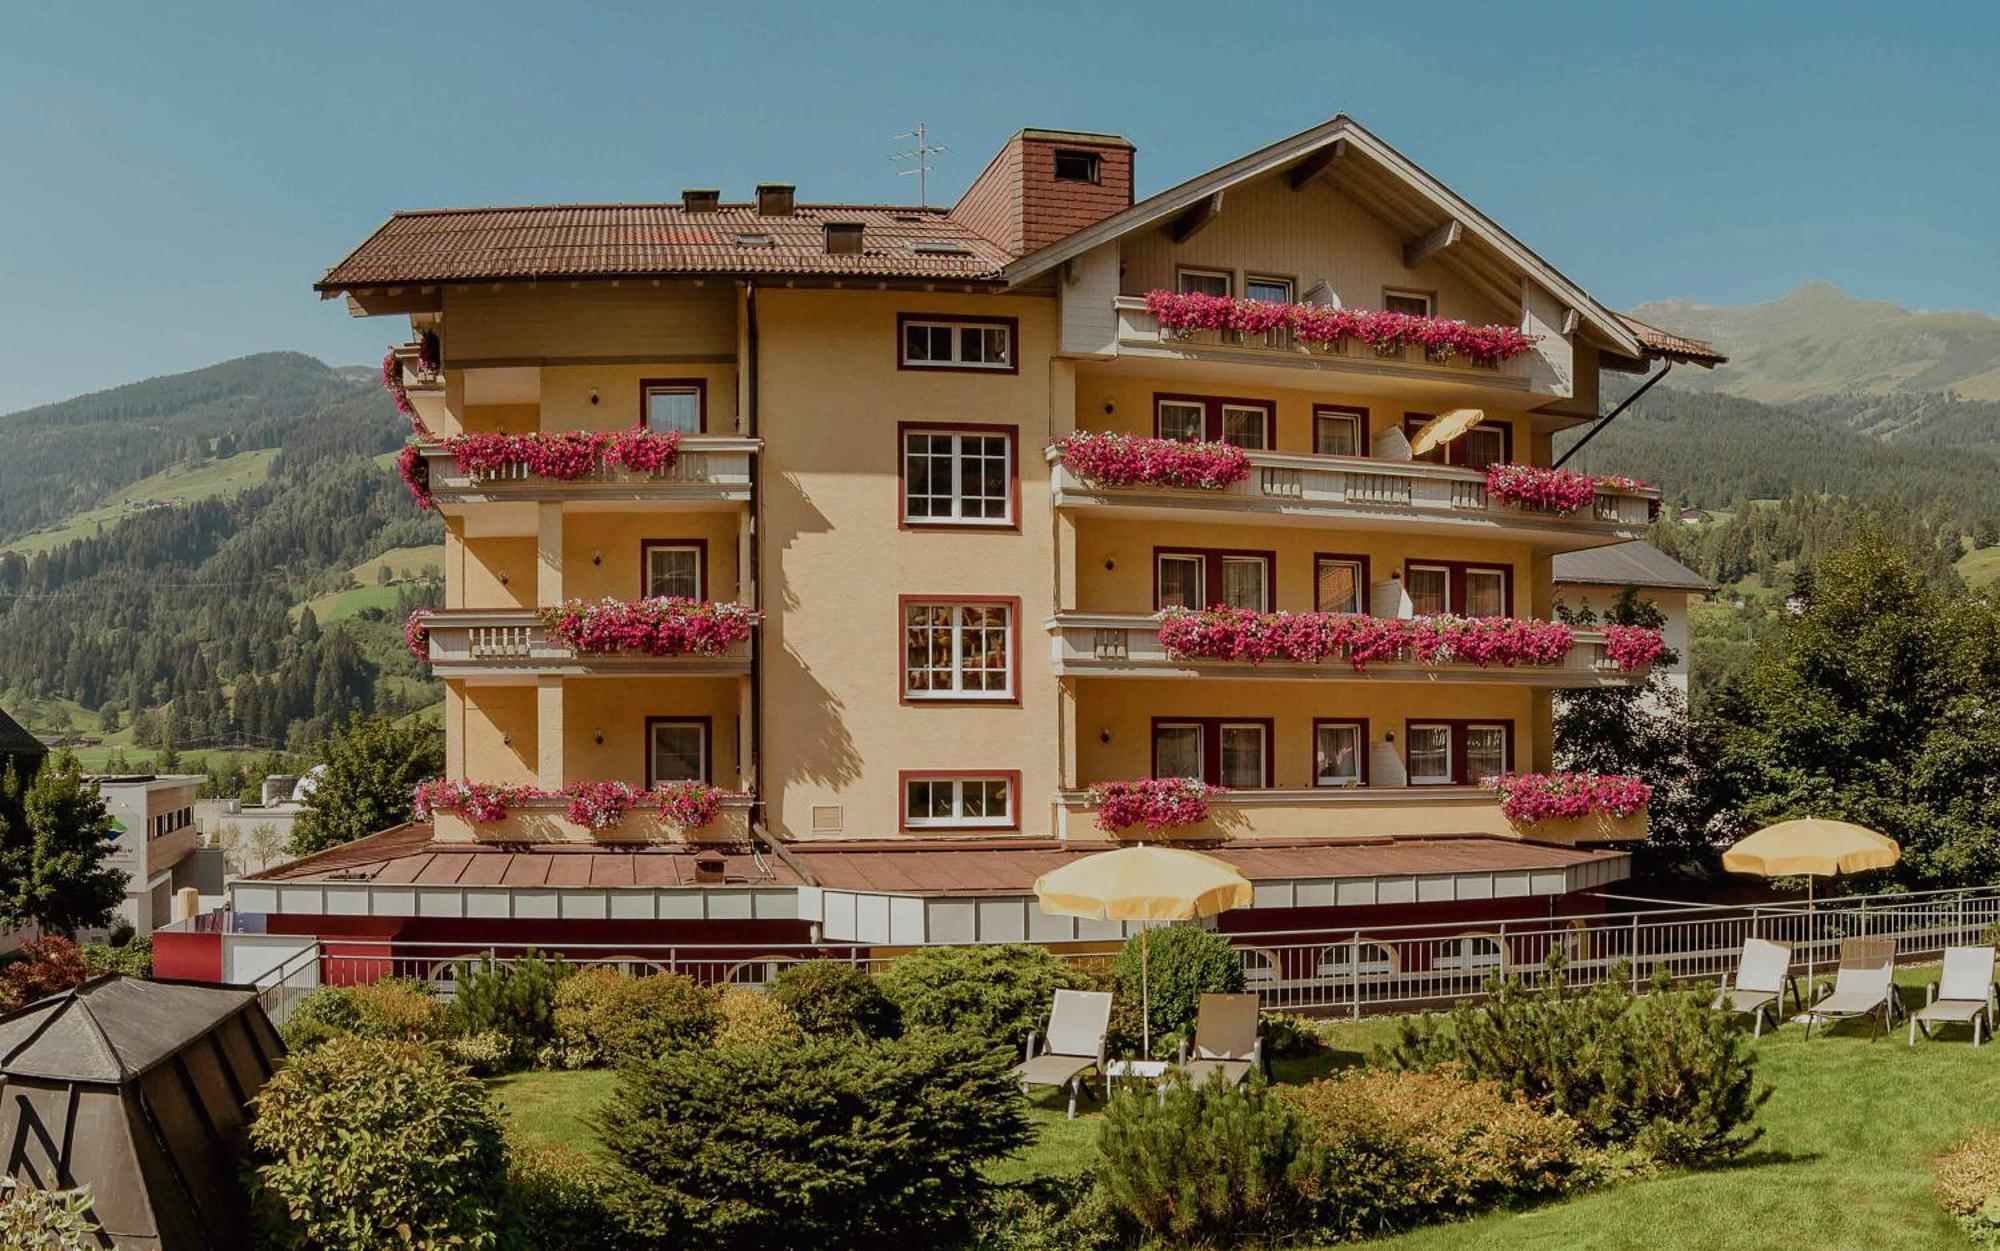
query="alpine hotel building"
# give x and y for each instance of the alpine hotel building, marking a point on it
(958, 629)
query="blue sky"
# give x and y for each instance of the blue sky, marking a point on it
(173, 178)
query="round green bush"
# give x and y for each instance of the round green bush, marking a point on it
(746, 1015)
(831, 997)
(1182, 963)
(603, 1016)
(516, 1000)
(996, 993)
(362, 1144)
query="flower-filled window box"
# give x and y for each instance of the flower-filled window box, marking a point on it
(1386, 333)
(1537, 798)
(1110, 459)
(1560, 491)
(595, 805)
(1317, 638)
(1156, 803)
(663, 625)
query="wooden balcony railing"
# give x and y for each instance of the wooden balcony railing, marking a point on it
(1128, 645)
(710, 468)
(474, 642)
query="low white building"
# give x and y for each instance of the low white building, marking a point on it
(1595, 578)
(152, 833)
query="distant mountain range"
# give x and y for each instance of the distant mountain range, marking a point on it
(1818, 341)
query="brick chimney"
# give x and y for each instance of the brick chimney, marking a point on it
(1046, 185)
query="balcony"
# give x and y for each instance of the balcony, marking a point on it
(1127, 645)
(468, 643)
(536, 821)
(710, 470)
(1220, 353)
(1362, 493)
(1360, 813)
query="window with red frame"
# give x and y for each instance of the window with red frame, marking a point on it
(1250, 424)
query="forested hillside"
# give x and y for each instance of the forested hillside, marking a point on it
(179, 624)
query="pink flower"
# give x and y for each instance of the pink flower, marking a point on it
(1632, 648)
(1554, 490)
(416, 473)
(417, 634)
(478, 802)
(1530, 798)
(1120, 460)
(690, 805)
(1156, 803)
(392, 381)
(1317, 638)
(595, 805)
(564, 455)
(1440, 338)
(659, 626)
(599, 805)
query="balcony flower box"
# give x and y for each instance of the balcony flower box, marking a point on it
(596, 805)
(1559, 491)
(1441, 339)
(563, 455)
(1632, 648)
(1110, 459)
(657, 626)
(1156, 803)
(1317, 638)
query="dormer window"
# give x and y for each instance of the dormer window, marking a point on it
(939, 247)
(1076, 166)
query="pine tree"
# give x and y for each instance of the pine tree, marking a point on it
(54, 836)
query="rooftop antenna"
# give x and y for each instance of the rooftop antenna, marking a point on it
(922, 155)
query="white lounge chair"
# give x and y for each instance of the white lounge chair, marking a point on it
(1763, 972)
(1225, 1040)
(1863, 985)
(1072, 1046)
(1963, 994)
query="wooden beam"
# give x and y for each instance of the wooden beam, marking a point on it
(1195, 220)
(1318, 163)
(1570, 318)
(1430, 243)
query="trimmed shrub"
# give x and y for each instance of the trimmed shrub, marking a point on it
(1968, 1186)
(361, 1144)
(516, 1000)
(326, 1014)
(486, 1054)
(603, 1016)
(559, 1198)
(996, 993)
(1205, 1165)
(46, 1220)
(133, 958)
(1666, 1073)
(393, 1008)
(39, 968)
(840, 1142)
(832, 997)
(744, 1015)
(1182, 963)
(1059, 1214)
(1387, 1150)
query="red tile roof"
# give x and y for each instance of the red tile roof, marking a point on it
(1658, 342)
(408, 856)
(645, 240)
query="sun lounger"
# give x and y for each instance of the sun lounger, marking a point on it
(1863, 985)
(1225, 1040)
(1963, 994)
(1072, 1046)
(1763, 972)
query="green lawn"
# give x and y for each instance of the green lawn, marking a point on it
(372, 593)
(1980, 568)
(1853, 1122)
(231, 475)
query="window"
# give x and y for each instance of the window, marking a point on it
(1413, 422)
(1430, 755)
(1205, 282)
(939, 247)
(1269, 290)
(1340, 583)
(674, 404)
(958, 477)
(677, 750)
(984, 344)
(675, 569)
(1429, 587)
(1485, 592)
(1338, 960)
(1218, 750)
(1340, 431)
(1190, 418)
(1477, 448)
(1469, 955)
(1485, 751)
(971, 802)
(1415, 303)
(1337, 753)
(1202, 578)
(958, 650)
(1074, 166)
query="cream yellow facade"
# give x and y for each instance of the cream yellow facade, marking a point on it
(800, 508)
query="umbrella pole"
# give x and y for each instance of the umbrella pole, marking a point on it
(1812, 935)
(1145, 999)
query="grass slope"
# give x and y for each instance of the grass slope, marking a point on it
(179, 484)
(1980, 568)
(339, 605)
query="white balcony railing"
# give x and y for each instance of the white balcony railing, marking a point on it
(1128, 645)
(468, 642)
(1367, 492)
(1139, 330)
(539, 821)
(711, 468)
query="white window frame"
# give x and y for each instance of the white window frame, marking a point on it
(1268, 280)
(1360, 584)
(959, 820)
(1468, 958)
(1338, 959)
(1189, 271)
(1200, 746)
(1222, 753)
(1263, 420)
(1449, 776)
(1353, 421)
(1200, 419)
(1200, 564)
(956, 478)
(701, 730)
(1404, 293)
(1499, 576)
(957, 331)
(1320, 777)
(653, 549)
(1264, 587)
(1480, 433)
(958, 690)
(674, 388)
(1506, 747)
(1411, 573)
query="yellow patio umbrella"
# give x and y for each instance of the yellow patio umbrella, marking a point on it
(1143, 884)
(1811, 847)
(1443, 428)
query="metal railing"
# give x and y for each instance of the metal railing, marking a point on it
(1320, 972)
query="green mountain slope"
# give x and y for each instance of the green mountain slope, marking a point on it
(1818, 341)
